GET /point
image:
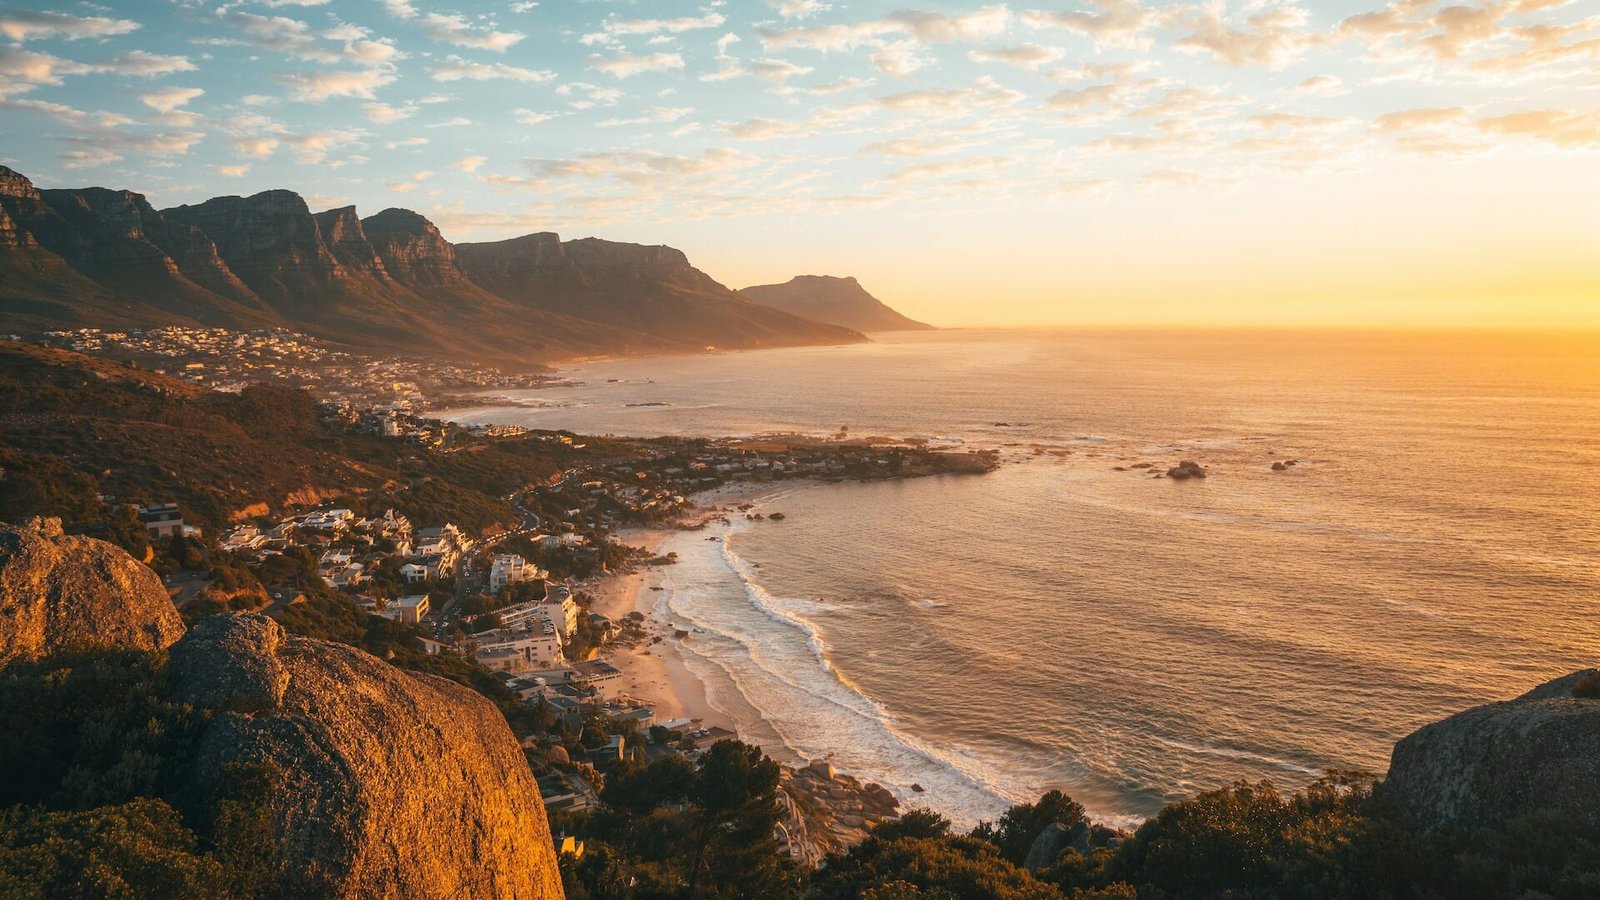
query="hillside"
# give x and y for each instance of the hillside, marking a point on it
(389, 282)
(837, 301)
(76, 428)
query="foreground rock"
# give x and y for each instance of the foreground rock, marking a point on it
(1483, 767)
(393, 784)
(60, 592)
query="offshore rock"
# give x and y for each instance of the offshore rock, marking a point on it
(1483, 767)
(59, 592)
(393, 784)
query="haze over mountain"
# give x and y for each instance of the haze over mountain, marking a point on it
(388, 282)
(837, 301)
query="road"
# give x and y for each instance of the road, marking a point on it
(468, 581)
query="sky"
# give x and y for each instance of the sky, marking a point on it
(1091, 162)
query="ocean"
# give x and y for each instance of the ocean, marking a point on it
(1131, 640)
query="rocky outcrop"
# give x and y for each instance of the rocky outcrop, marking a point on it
(1186, 470)
(393, 784)
(837, 301)
(59, 592)
(1483, 767)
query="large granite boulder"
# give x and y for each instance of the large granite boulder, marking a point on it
(394, 784)
(1537, 753)
(60, 591)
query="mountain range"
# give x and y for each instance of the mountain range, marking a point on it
(837, 301)
(390, 282)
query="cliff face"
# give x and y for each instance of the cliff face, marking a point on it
(840, 301)
(345, 238)
(396, 785)
(270, 241)
(59, 592)
(413, 250)
(1537, 753)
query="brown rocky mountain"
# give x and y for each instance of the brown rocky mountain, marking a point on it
(837, 301)
(387, 283)
(61, 591)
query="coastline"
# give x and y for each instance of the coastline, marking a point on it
(653, 671)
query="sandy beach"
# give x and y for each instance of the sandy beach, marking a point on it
(653, 671)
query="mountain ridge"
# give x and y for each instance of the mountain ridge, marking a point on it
(389, 282)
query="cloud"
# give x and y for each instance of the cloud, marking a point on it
(455, 29)
(238, 171)
(144, 65)
(938, 170)
(939, 28)
(1564, 128)
(1411, 119)
(457, 69)
(383, 113)
(1321, 86)
(315, 87)
(1024, 56)
(655, 116)
(1272, 38)
(1119, 23)
(985, 96)
(531, 117)
(777, 71)
(612, 29)
(469, 163)
(634, 168)
(416, 178)
(26, 26)
(406, 142)
(798, 9)
(295, 38)
(914, 147)
(169, 99)
(901, 58)
(627, 65)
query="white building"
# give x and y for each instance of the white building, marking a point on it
(509, 568)
(410, 609)
(524, 649)
(556, 608)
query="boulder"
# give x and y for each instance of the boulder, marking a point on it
(1186, 469)
(393, 784)
(1483, 767)
(59, 591)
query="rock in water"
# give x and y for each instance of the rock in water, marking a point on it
(60, 591)
(1539, 752)
(395, 784)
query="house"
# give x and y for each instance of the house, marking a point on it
(414, 573)
(411, 609)
(508, 569)
(161, 520)
(433, 647)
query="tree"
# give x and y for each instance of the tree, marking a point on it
(1022, 824)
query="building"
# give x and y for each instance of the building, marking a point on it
(556, 607)
(508, 569)
(161, 520)
(411, 609)
(414, 573)
(535, 645)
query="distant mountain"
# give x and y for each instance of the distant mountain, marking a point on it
(837, 301)
(386, 283)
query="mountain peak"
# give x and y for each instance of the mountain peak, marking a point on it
(834, 299)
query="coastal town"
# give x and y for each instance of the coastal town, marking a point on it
(545, 609)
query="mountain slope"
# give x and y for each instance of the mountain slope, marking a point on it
(840, 301)
(387, 283)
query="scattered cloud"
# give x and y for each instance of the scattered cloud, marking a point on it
(24, 26)
(626, 65)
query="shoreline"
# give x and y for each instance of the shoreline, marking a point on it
(654, 671)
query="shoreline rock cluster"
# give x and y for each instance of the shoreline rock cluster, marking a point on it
(836, 810)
